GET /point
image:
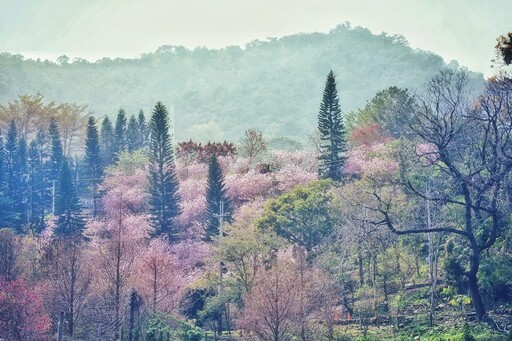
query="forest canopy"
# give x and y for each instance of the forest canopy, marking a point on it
(218, 93)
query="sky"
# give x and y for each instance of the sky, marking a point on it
(462, 30)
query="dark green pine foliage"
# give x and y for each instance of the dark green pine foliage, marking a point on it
(120, 133)
(56, 151)
(23, 196)
(70, 222)
(215, 194)
(2, 158)
(93, 162)
(107, 143)
(164, 200)
(133, 136)
(37, 188)
(43, 154)
(333, 145)
(143, 130)
(11, 159)
(4, 200)
(13, 179)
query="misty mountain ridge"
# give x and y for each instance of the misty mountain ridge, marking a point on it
(215, 94)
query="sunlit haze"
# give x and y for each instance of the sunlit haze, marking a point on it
(91, 29)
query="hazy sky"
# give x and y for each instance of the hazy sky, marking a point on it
(455, 29)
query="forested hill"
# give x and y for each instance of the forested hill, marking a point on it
(273, 85)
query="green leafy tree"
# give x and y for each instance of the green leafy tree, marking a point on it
(303, 216)
(332, 133)
(164, 199)
(70, 222)
(384, 109)
(215, 195)
(107, 142)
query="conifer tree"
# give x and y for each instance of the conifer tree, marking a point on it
(70, 222)
(4, 201)
(93, 162)
(56, 151)
(13, 179)
(11, 158)
(2, 158)
(332, 133)
(120, 133)
(215, 194)
(22, 197)
(44, 185)
(92, 150)
(132, 132)
(37, 188)
(164, 200)
(107, 142)
(143, 129)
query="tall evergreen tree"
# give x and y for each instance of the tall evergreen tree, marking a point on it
(13, 179)
(93, 162)
(11, 158)
(163, 183)
(4, 200)
(120, 133)
(23, 181)
(107, 146)
(70, 222)
(133, 140)
(333, 145)
(45, 186)
(143, 129)
(2, 159)
(56, 151)
(215, 195)
(37, 188)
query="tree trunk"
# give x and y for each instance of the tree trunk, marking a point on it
(360, 263)
(476, 298)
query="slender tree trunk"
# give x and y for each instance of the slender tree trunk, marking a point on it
(132, 318)
(476, 298)
(71, 316)
(94, 204)
(155, 276)
(117, 294)
(59, 326)
(360, 264)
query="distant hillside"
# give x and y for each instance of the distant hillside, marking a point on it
(275, 85)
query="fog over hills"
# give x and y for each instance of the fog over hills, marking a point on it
(273, 85)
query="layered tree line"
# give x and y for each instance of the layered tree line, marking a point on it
(219, 93)
(397, 216)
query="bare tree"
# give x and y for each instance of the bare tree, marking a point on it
(72, 121)
(282, 299)
(252, 144)
(471, 143)
(70, 281)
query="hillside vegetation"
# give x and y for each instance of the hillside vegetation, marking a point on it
(273, 85)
